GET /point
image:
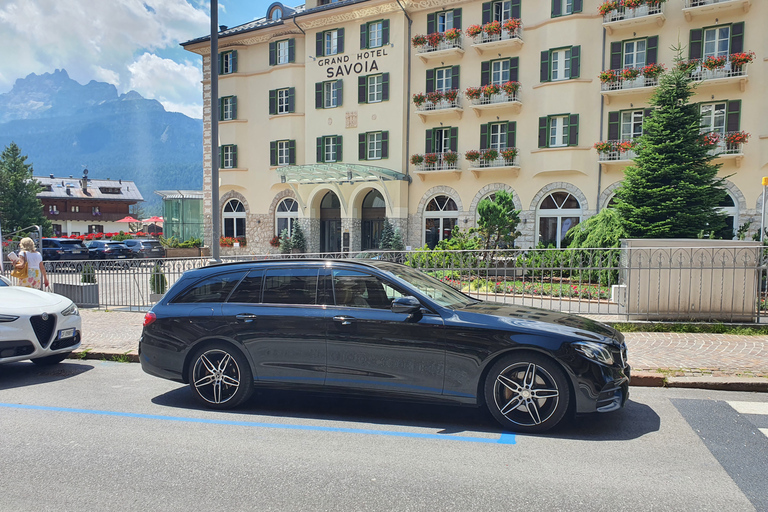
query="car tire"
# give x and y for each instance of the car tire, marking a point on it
(527, 392)
(220, 376)
(50, 360)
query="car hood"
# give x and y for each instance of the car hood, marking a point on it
(18, 298)
(525, 317)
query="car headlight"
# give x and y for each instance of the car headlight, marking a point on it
(70, 310)
(8, 318)
(595, 351)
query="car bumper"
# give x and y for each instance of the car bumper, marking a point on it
(19, 342)
(602, 388)
(160, 362)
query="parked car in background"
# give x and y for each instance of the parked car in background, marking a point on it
(378, 328)
(145, 248)
(107, 250)
(41, 326)
(63, 249)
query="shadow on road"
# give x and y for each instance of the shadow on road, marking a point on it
(633, 422)
(26, 373)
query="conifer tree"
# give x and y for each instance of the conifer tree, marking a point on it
(387, 232)
(672, 189)
(298, 241)
(397, 241)
(285, 242)
(19, 205)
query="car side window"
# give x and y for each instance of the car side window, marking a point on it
(360, 290)
(290, 286)
(212, 289)
(249, 289)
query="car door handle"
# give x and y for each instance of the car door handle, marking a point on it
(246, 316)
(345, 320)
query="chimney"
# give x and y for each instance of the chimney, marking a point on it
(69, 192)
(51, 176)
(84, 181)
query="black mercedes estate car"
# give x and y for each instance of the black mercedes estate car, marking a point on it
(380, 328)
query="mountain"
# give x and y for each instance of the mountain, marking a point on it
(64, 127)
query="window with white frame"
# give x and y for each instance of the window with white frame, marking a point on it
(717, 41)
(500, 71)
(375, 88)
(440, 217)
(442, 139)
(286, 215)
(330, 94)
(283, 152)
(713, 118)
(375, 34)
(443, 79)
(557, 213)
(283, 102)
(444, 21)
(631, 124)
(282, 52)
(228, 108)
(558, 131)
(497, 136)
(331, 42)
(502, 11)
(233, 217)
(560, 64)
(565, 6)
(329, 148)
(228, 62)
(373, 145)
(229, 156)
(634, 53)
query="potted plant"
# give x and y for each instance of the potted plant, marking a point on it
(417, 159)
(434, 38)
(474, 30)
(451, 95)
(603, 146)
(687, 65)
(714, 62)
(285, 242)
(632, 4)
(275, 241)
(472, 155)
(608, 76)
(493, 28)
(510, 88)
(491, 89)
(434, 97)
(509, 154)
(430, 158)
(473, 93)
(653, 70)
(299, 241)
(607, 7)
(489, 155)
(451, 157)
(419, 98)
(739, 59)
(626, 145)
(157, 283)
(452, 34)
(419, 40)
(630, 73)
(86, 292)
(512, 25)
(711, 138)
(734, 138)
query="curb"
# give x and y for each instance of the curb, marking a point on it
(122, 357)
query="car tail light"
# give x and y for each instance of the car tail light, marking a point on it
(149, 318)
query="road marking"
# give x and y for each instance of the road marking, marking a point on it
(749, 407)
(504, 438)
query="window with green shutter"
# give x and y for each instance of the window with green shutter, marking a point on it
(373, 88)
(282, 52)
(228, 108)
(228, 62)
(282, 101)
(566, 7)
(373, 145)
(559, 130)
(329, 149)
(374, 34)
(560, 64)
(228, 156)
(330, 42)
(282, 152)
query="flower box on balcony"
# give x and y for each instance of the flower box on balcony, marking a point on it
(693, 8)
(438, 44)
(435, 163)
(495, 35)
(503, 97)
(438, 102)
(493, 160)
(618, 14)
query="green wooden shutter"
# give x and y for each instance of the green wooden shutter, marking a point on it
(234, 156)
(430, 145)
(385, 32)
(454, 138)
(512, 134)
(233, 101)
(339, 148)
(320, 154)
(457, 18)
(733, 116)
(291, 50)
(578, 5)
(273, 153)
(515, 9)
(695, 43)
(319, 95)
(221, 109)
(221, 64)
(575, 61)
(514, 69)
(361, 153)
(544, 67)
(273, 102)
(487, 6)
(483, 137)
(652, 50)
(234, 61)
(485, 73)
(340, 40)
(431, 23)
(385, 87)
(557, 8)
(737, 37)
(273, 53)
(430, 80)
(320, 44)
(292, 152)
(455, 77)
(339, 92)
(573, 130)
(362, 89)
(384, 144)
(614, 124)
(221, 157)
(363, 36)
(291, 99)
(543, 132)
(617, 60)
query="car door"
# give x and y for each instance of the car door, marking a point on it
(277, 315)
(372, 348)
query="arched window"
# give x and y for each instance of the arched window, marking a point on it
(728, 207)
(285, 216)
(373, 216)
(276, 14)
(234, 218)
(440, 217)
(557, 213)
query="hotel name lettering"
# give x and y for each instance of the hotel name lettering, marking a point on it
(365, 62)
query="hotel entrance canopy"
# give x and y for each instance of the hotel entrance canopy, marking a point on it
(336, 173)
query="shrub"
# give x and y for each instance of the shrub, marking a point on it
(417, 159)
(88, 274)
(472, 155)
(157, 281)
(473, 93)
(299, 242)
(285, 242)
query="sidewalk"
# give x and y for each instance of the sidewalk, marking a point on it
(712, 361)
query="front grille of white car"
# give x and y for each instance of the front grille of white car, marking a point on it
(44, 326)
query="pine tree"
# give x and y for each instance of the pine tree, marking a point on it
(397, 241)
(285, 242)
(19, 205)
(672, 189)
(387, 232)
(298, 241)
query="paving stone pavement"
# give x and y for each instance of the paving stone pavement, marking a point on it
(675, 354)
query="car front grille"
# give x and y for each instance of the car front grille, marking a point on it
(66, 342)
(43, 328)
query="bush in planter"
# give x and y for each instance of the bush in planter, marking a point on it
(489, 155)
(607, 7)
(417, 159)
(632, 4)
(397, 241)
(737, 137)
(299, 242)
(474, 30)
(512, 25)
(608, 76)
(387, 234)
(451, 157)
(419, 40)
(419, 98)
(739, 59)
(275, 241)
(452, 34)
(491, 89)
(688, 66)
(510, 87)
(472, 155)
(451, 95)
(630, 73)
(434, 38)
(509, 154)
(493, 28)
(157, 281)
(473, 93)
(604, 146)
(434, 97)
(430, 158)
(712, 62)
(88, 275)
(196, 242)
(653, 70)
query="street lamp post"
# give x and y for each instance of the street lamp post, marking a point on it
(214, 103)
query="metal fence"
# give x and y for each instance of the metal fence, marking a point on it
(720, 284)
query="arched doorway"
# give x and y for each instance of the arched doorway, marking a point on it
(373, 218)
(330, 223)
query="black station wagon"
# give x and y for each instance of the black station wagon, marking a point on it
(381, 328)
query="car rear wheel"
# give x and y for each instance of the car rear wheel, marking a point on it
(220, 376)
(49, 360)
(527, 392)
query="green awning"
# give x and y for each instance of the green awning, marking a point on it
(336, 173)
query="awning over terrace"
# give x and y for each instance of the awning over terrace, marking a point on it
(336, 173)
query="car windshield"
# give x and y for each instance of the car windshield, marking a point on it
(436, 290)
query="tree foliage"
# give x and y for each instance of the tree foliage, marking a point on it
(299, 241)
(497, 221)
(19, 205)
(672, 189)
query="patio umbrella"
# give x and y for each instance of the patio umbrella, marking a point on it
(127, 219)
(153, 220)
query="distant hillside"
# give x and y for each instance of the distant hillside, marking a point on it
(63, 127)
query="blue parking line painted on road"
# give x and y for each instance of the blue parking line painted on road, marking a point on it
(505, 438)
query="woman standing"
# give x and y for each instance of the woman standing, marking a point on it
(34, 261)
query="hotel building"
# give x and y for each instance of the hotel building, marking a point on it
(332, 116)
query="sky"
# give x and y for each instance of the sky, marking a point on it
(131, 44)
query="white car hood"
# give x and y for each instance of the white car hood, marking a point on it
(16, 298)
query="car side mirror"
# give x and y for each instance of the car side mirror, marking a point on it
(408, 304)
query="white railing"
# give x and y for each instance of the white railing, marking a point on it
(723, 147)
(700, 73)
(445, 44)
(615, 154)
(441, 165)
(498, 162)
(626, 13)
(443, 104)
(623, 83)
(504, 36)
(699, 3)
(501, 97)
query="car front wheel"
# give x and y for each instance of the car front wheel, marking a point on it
(527, 392)
(220, 376)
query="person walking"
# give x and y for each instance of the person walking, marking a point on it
(34, 261)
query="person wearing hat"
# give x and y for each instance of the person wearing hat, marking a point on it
(34, 261)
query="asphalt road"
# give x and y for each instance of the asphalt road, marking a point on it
(92, 435)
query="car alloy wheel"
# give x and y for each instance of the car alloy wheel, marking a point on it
(220, 377)
(527, 393)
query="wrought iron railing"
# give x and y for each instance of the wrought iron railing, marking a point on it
(442, 104)
(699, 3)
(445, 162)
(444, 44)
(501, 97)
(625, 13)
(625, 83)
(619, 150)
(699, 73)
(503, 36)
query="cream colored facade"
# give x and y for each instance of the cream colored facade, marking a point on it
(572, 175)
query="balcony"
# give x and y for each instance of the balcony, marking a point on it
(693, 8)
(728, 146)
(616, 152)
(501, 101)
(62, 216)
(436, 163)
(622, 83)
(644, 15)
(495, 162)
(444, 49)
(733, 72)
(436, 104)
(508, 40)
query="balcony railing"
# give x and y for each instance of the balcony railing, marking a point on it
(498, 162)
(501, 97)
(699, 73)
(617, 153)
(722, 146)
(445, 44)
(440, 165)
(504, 36)
(621, 83)
(443, 104)
(626, 13)
(699, 3)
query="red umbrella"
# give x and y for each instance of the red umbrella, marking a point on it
(153, 220)
(127, 219)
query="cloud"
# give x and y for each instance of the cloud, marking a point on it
(115, 41)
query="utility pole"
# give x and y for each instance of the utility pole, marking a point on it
(214, 63)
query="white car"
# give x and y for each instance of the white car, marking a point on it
(37, 325)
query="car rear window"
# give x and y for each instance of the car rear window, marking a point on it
(151, 244)
(290, 286)
(71, 243)
(212, 289)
